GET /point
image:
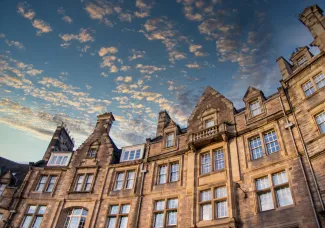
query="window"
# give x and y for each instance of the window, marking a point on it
(33, 216)
(308, 88)
(170, 141)
(320, 80)
(168, 173)
(255, 108)
(125, 183)
(271, 142)
(76, 218)
(302, 60)
(205, 163)
(320, 119)
(174, 169)
(218, 159)
(279, 185)
(216, 204)
(218, 162)
(59, 159)
(256, 147)
(46, 183)
(92, 152)
(131, 155)
(165, 213)
(84, 182)
(162, 178)
(118, 216)
(209, 123)
(1, 216)
(2, 188)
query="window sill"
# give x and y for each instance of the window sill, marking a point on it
(43, 192)
(213, 172)
(78, 192)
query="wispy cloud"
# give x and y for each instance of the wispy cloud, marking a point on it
(107, 50)
(85, 35)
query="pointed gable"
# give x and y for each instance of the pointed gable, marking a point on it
(212, 105)
(253, 92)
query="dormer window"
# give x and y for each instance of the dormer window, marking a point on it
(209, 123)
(132, 153)
(302, 60)
(170, 141)
(59, 159)
(255, 108)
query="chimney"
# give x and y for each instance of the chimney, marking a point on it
(163, 120)
(285, 67)
(105, 120)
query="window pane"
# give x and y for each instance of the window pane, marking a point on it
(206, 211)
(262, 183)
(320, 119)
(41, 210)
(209, 123)
(205, 163)
(51, 184)
(280, 178)
(132, 155)
(219, 159)
(58, 161)
(65, 160)
(125, 209)
(79, 183)
(123, 222)
(255, 108)
(31, 209)
(119, 181)
(162, 174)
(266, 201)
(174, 172)
(221, 192)
(172, 203)
(111, 222)
(271, 142)
(159, 220)
(172, 218)
(170, 140)
(53, 160)
(160, 205)
(41, 184)
(308, 88)
(205, 195)
(222, 209)
(89, 182)
(284, 196)
(114, 210)
(137, 154)
(26, 221)
(2, 188)
(256, 148)
(126, 156)
(37, 222)
(130, 180)
(320, 81)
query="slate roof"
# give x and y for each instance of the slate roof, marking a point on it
(17, 170)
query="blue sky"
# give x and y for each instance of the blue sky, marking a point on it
(72, 60)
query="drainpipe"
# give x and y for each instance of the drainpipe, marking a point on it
(306, 153)
(289, 126)
(144, 167)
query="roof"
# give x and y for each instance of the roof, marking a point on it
(16, 170)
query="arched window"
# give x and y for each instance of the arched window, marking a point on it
(76, 218)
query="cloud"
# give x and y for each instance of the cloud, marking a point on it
(99, 9)
(25, 10)
(105, 75)
(67, 19)
(107, 50)
(125, 17)
(176, 55)
(136, 55)
(144, 7)
(15, 44)
(83, 37)
(193, 66)
(148, 69)
(42, 26)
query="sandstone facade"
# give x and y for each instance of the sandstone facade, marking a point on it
(261, 166)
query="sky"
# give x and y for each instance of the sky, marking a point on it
(69, 61)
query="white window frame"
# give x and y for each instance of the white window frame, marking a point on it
(168, 172)
(64, 159)
(126, 180)
(308, 88)
(165, 209)
(320, 121)
(170, 142)
(126, 152)
(255, 108)
(319, 80)
(82, 217)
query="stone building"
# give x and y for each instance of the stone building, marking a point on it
(260, 166)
